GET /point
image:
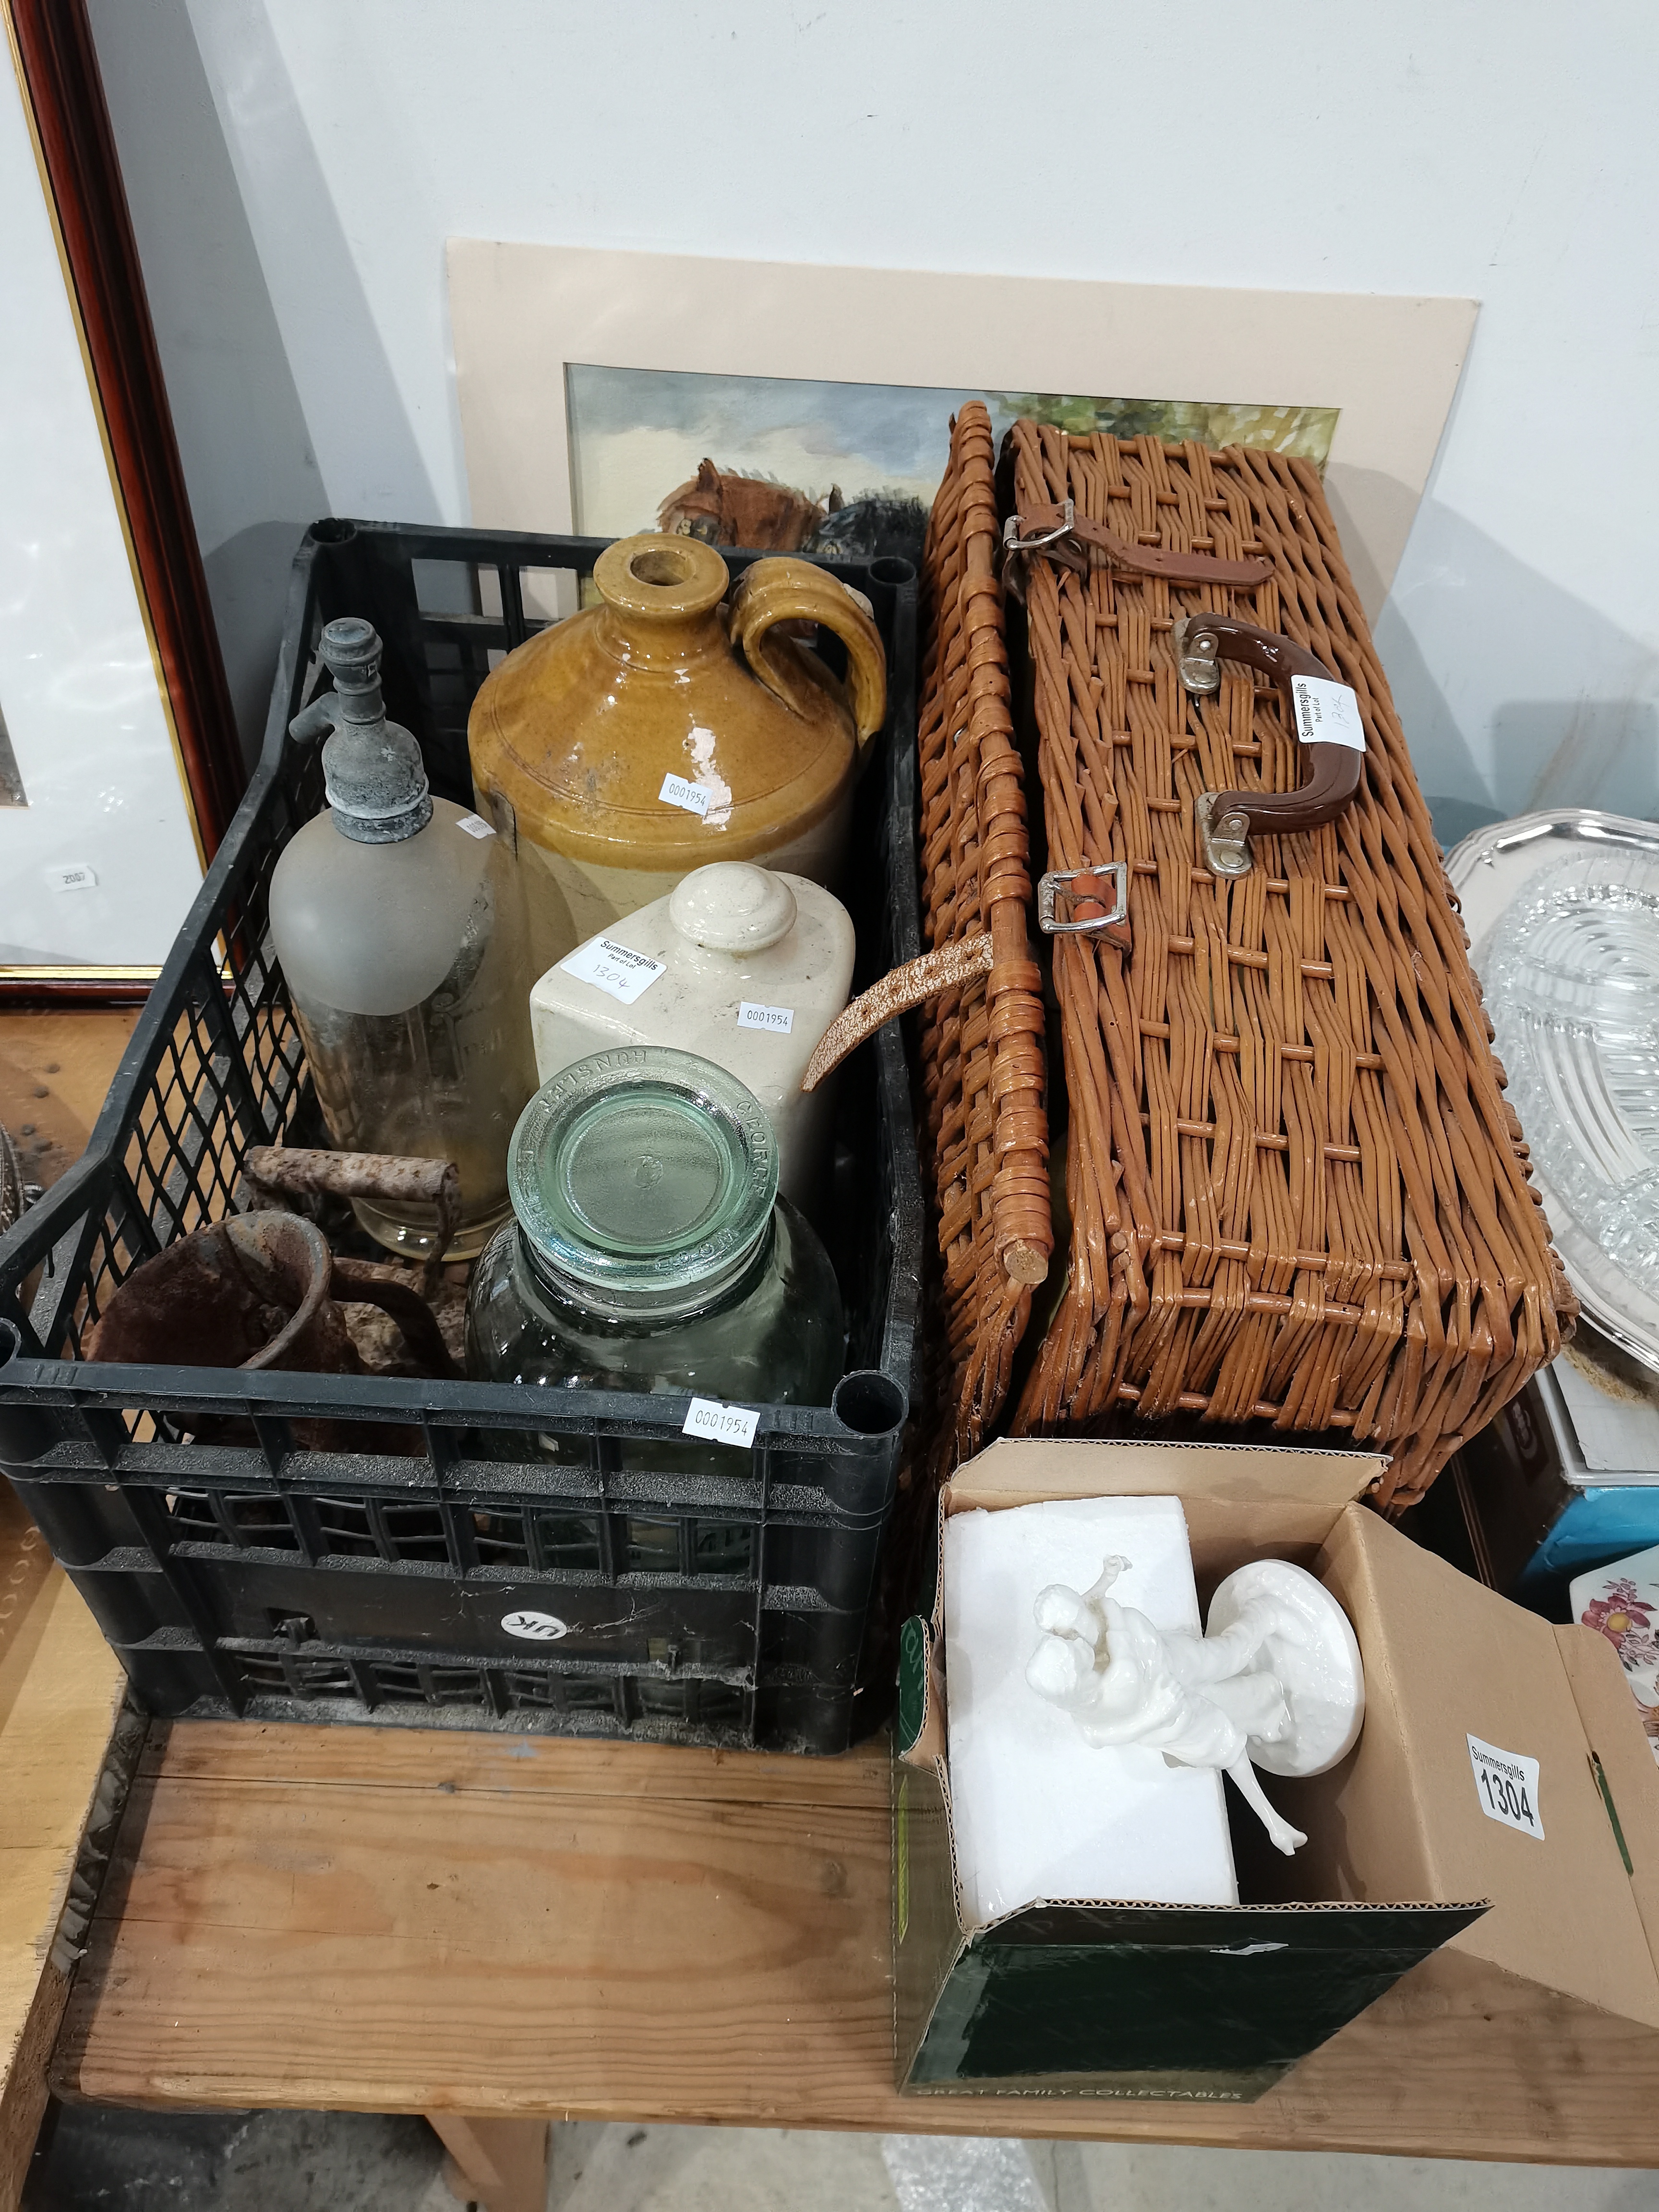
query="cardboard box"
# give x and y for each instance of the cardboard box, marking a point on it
(1403, 1857)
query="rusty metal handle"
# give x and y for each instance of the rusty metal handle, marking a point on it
(372, 1283)
(291, 1171)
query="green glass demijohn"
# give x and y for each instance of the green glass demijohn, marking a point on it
(649, 1248)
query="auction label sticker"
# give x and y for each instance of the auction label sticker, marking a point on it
(1506, 1784)
(73, 876)
(535, 1627)
(721, 1424)
(476, 826)
(677, 792)
(779, 1019)
(614, 968)
(1326, 713)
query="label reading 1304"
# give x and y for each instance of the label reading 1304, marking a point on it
(613, 968)
(1506, 1785)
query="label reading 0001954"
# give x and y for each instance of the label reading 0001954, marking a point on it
(680, 791)
(721, 1424)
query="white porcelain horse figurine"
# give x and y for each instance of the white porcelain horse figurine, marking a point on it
(1209, 1700)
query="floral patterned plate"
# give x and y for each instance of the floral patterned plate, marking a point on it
(1621, 1602)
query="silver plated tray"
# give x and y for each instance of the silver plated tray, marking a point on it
(1489, 872)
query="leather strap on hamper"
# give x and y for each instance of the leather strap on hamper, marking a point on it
(947, 968)
(1060, 533)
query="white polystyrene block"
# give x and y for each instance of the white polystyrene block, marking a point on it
(1036, 1812)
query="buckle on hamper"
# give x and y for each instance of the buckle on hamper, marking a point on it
(1050, 886)
(1060, 539)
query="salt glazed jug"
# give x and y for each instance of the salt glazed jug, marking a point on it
(666, 728)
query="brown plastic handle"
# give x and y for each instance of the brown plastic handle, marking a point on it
(784, 590)
(1337, 769)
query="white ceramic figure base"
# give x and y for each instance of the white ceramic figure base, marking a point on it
(1316, 1664)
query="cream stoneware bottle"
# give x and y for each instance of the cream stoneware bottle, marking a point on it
(741, 965)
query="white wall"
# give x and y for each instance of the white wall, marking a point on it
(252, 478)
(1502, 151)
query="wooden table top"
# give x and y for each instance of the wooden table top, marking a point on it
(60, 1682)
(60, 1686)
(54, 1071)
(410, 1920)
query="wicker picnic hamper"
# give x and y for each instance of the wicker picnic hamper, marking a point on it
(1297, 1193)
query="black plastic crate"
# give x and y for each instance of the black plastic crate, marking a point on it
(274, 1582)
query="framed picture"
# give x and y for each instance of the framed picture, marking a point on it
(120, 765)
(594, 384)
(806, 465)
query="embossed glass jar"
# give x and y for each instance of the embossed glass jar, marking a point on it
(649, 1248)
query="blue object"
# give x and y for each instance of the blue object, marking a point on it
(1594, 1526)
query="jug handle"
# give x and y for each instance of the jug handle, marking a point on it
(783, 590)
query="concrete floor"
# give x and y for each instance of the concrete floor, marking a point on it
(93, 2160)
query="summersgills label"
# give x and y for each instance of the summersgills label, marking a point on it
(1506, 1786)
(677, 792)
(721, 1424)
(476, 826)
(779, 1019)
(614, 968)
(1326, 713)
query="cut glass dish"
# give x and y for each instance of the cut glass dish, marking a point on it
(1572, 987)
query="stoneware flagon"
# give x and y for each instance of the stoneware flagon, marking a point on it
(666, 728)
